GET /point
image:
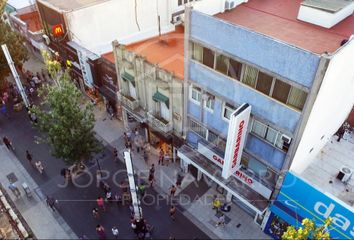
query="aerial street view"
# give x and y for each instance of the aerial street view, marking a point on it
(177, 119)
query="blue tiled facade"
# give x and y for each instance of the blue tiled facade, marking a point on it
(283, 61)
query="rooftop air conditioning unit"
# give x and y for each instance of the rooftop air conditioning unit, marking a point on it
(344, 174)
(230, 4)
(286, 139)
(177, 19)
(46, 39)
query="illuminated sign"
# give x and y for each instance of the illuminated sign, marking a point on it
(236, 139)
(240, 175)
(298, 199)
(58, 30)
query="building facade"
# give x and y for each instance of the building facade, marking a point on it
(246, 62)
(150, 76)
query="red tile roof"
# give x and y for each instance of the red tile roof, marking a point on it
(167, 51)
(278, 19)
(33, 21)
(109, 56)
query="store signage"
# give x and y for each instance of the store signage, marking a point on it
(85, 68)
(215, 158)
(236, 139)
(240, 175)
(58, 30)
(310, 202)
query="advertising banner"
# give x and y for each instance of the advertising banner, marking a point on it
(236, 139)
(298, 200)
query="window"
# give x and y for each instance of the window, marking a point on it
(196, 94)
(208, 57)
(222, 64)
(259, 129)
(180, 2)
(209, 103)
(234, 70)
(216, 140)
(281, 91)
(197, 128)
(264, 83)
(260, 169)
(228, 110)
(271, 135)
(297, 98)
(250, 76)
(197, 52)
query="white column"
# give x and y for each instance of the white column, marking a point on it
(125, 118)
(199, 175)
(228, 197)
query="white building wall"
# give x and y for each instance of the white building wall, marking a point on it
(331, 108)
(97, 26)
(210, 7)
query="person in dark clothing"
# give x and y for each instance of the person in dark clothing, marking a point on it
(7, 143)
(28, 157)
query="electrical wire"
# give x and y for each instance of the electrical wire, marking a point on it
(136, 14)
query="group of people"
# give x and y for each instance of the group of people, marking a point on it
(38, 164)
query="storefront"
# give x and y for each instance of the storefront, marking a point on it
(298, 200)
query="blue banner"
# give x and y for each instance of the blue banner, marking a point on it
(298, 200)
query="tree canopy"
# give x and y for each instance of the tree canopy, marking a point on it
(65, 119)
(15, 44)
(309, 230)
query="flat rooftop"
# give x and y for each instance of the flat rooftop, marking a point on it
(278, 19)
(167, 51)
(68, 5)
(33, 21)
(18, 4)
(323, 171)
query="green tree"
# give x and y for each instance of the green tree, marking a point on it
(15, 44)
(66, 120)
(308, 230)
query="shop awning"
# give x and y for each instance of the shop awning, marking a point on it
(127, 77)
(159, 97)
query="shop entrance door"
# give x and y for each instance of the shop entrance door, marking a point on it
(193, 170)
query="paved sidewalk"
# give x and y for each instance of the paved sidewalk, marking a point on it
(239, 225)
(43, 222)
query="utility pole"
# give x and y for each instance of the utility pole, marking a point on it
(133, 189)
(14, 73)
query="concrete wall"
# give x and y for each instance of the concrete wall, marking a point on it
(289, 62)
(96, 27)
(331, 108)
(238, 93)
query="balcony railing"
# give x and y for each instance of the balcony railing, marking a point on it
(160, 123)
(128, 101)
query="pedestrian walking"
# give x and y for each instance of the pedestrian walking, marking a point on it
(179, 180)
(161, 156)
(39, 167)
(28, 157)
(100, 203)
(95, 213)
(145, 155)
(115, 153)
(152, 169)
(100, 232)
(15, 190)
(216, 204)
(221, 221)
(118, 199)
(115, 232)
(151, 179)
(141, 188)
(51, 202)
(109, 197)
(173, 212)
(8, 143)
(173, 190)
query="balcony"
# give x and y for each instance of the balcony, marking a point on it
(160, 123)
(128, 101)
